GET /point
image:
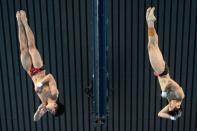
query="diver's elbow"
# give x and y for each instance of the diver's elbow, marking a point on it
(159, 114)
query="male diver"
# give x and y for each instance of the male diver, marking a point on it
(45, 85)
(170, 89)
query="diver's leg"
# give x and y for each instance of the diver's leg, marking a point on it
(35, 55)
(155, 55)
(24, 52)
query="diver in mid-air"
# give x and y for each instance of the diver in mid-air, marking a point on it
(170, 89)
(45, 85)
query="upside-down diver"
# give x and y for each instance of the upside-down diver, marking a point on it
(171, 90)
(45, 85)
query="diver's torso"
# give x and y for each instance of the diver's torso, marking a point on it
(173, 93)
(45, 93)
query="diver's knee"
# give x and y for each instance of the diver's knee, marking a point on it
(32, 47)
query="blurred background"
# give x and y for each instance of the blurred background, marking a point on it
(63, 37)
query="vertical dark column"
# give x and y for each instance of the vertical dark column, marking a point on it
(99, 59)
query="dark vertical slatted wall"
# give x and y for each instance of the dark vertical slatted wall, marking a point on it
(62, 30)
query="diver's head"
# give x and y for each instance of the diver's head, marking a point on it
(174, 104)
(175, 108)
(56, 108)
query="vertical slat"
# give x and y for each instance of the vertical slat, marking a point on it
(131, 66)
(66, 53)
(87, 77)
(71, 47)
(134, 60)
(115, 60)
(193, 115)
(0, 123)
(82, 64)
(78, 62)
(111, 68)
(128, 39)
(122, 72)
(140, 79)
(4, 124)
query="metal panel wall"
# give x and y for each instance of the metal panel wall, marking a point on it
(62, 31)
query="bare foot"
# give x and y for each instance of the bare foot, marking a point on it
(150, 14)
(23, 16)
(18, 15)
(147, 12)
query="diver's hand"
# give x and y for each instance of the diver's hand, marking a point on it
(40, 112)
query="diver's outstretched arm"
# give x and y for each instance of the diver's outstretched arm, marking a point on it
(40, 112)
(164, 113)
